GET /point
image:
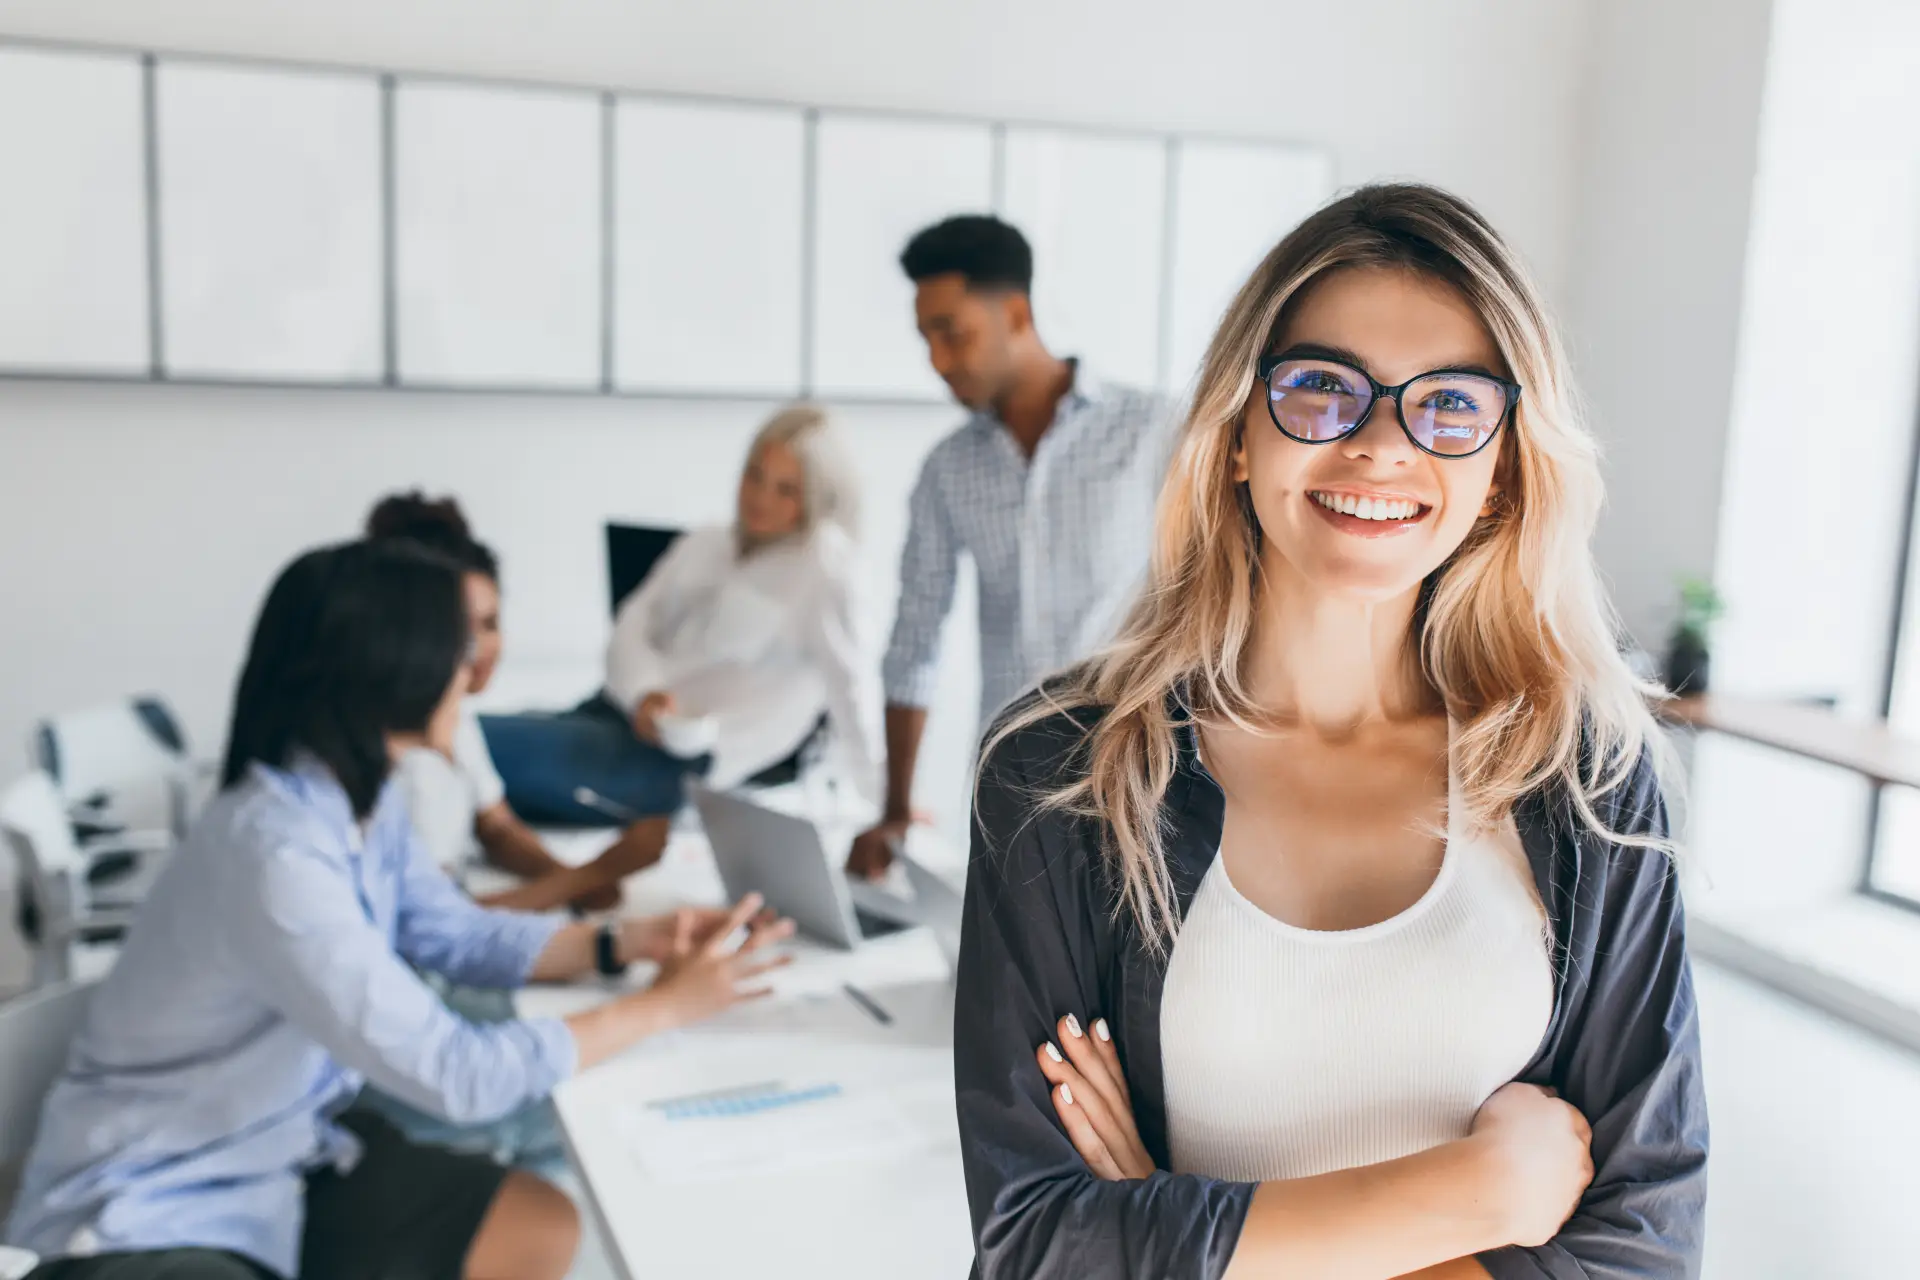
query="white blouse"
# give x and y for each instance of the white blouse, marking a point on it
(1291, 1052)
(764, 643)
(445, 796)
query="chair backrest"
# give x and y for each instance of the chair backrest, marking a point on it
(49, 867)
(632, 551)
(33, 817)
(122, 764)
(35, 1032)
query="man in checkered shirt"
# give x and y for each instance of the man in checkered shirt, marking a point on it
(1049, 487)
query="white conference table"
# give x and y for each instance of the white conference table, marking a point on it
(876, 1192)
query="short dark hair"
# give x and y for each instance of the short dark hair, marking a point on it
(354, 642)
(435, 523)
(991, 254)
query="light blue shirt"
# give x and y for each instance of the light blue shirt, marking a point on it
(1059, 543)
(265, 980)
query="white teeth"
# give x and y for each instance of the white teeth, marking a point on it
(1367, 508)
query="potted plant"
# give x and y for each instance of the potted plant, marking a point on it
(1687, 653)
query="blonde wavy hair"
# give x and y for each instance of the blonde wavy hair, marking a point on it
(832, 489)
(1514, 631)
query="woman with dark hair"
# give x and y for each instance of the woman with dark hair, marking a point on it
(457, 799)
(197, 1130)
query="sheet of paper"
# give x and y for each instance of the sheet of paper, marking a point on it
(769, 1129)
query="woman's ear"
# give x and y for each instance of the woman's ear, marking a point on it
(1504, 483)
(1241, 472)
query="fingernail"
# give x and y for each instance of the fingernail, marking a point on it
(1100, 1029)
(1073, 1026)
(1066, 1095)
(1054, 1053)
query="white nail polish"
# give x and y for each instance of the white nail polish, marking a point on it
(1100, 1029)
(1066, 1095)
(1073, 1026)
(1054, 1053)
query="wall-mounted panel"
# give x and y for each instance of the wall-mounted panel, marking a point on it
(709, 248)
(271, 231)
(499, 218)
(1094, 209)
(73, 228)
(879, 180)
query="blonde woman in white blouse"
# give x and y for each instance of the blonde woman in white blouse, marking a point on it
(726, 657)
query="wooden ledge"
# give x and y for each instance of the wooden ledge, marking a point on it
(1867, 747)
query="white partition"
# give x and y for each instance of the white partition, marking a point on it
(270, 224)
(73, 228)
(878, 181)
(190, 218)
(1094, 210)
(498, 212)
(709, 248)
(1233, 202)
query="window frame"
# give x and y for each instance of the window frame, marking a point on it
(1891, 673)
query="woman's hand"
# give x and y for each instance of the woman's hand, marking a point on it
(1542, 1158)
(701, 976)
(1091, 1098)
(647, 712)
(666, 939)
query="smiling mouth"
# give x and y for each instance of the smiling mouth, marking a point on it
(1368, 517)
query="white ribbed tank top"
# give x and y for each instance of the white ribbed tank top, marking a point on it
(1290, 1052)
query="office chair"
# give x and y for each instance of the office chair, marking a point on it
(62, 906)
(632, 552)
(128, 787)
(122, 766)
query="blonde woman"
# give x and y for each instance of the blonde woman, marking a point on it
(726, 657)
(1356, 823)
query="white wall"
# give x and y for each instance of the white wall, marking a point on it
(1815, 1124)
(139, 526)
(1661, 201)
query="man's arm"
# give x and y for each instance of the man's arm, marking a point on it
(905, 728)
(511, 845)
(551, 884)
(929, 569)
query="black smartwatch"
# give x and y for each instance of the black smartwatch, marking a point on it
(606, 951)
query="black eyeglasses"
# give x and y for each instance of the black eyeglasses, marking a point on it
(1449, 413)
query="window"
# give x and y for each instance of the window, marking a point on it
(1896, 854)
(1817, 531)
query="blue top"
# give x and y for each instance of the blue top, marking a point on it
(265, 980)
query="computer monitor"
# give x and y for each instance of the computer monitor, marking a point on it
(632, 551)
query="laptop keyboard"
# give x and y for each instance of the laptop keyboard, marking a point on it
(873, 925)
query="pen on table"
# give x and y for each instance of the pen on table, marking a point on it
(868, 1004)
(588, 798)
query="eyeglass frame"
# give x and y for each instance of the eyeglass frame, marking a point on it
(1264, 371)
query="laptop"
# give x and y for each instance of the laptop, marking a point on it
(782, 857)
(936, 904)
